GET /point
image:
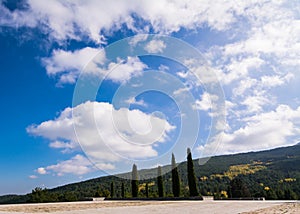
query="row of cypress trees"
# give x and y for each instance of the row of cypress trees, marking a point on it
(193, 191)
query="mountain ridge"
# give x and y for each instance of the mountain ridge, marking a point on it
(268, 167)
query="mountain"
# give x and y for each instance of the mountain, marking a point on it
(274, 174)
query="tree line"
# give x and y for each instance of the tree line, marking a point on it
(220, 188)
(192, 185)
(279, 179)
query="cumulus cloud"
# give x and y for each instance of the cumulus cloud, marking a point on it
(106, 134)
(66, 146)
(155, 46)
(123, 70)
(243, 86)
(273, 37)
(262, 131)
(92, 19)
(238, 69)
(67, 65)
(259, 58)
(41, 171)
(256, 66)
(261, 55)
(77, 165)
(276, 80)
(137, 39)
(206, 102)
(255, 103)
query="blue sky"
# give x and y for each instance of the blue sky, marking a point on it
(79, 102)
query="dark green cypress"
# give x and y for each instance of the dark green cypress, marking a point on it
(134, 182)
(147, 190)
(191, 174)
(123, 190)
(160, 184)
(175, 178)
(112, 189)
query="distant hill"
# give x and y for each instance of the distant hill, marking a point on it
(274, 174)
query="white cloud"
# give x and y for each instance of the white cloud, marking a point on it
(206, 102)
(243, 86)
(271, 36)
(123, 70)
(137, 39)
(66, 146)
(199, 72)
(277, 37)
(255, 103)
(105, 133)
(182, 74)
(41, 171)
(239, 69)
(163, 68)
(92, 19)
(257, 63)
(133, 101)
(275, 80)
(77, 165)
(261, 131)
(68, 64)
(180, 91)
(264, 35)
(255, 93)
(16, 18)
(155, 46)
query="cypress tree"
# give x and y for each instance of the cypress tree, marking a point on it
(191, 174)
(134, 182)
(123, 190)
(147, 190)
(175, 178)
(160, 184)
(112, 190)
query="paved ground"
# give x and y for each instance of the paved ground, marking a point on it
(170, 207)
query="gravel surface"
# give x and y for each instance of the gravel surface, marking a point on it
(173, 207)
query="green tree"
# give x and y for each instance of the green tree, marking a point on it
(105, 193)
(147, 190)
(112, 189)
(289, 194)
(38, 195)
(271, 195)
(175, 178)
(70, 196)
(160, 183)
(191, 175)
(134, 181)
(280, 194)
(123, 190)
(238, 188)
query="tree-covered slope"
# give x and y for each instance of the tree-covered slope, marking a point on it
(274, 174)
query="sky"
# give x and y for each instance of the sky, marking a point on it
(89, 88)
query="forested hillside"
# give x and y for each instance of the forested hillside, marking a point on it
(274, 174)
